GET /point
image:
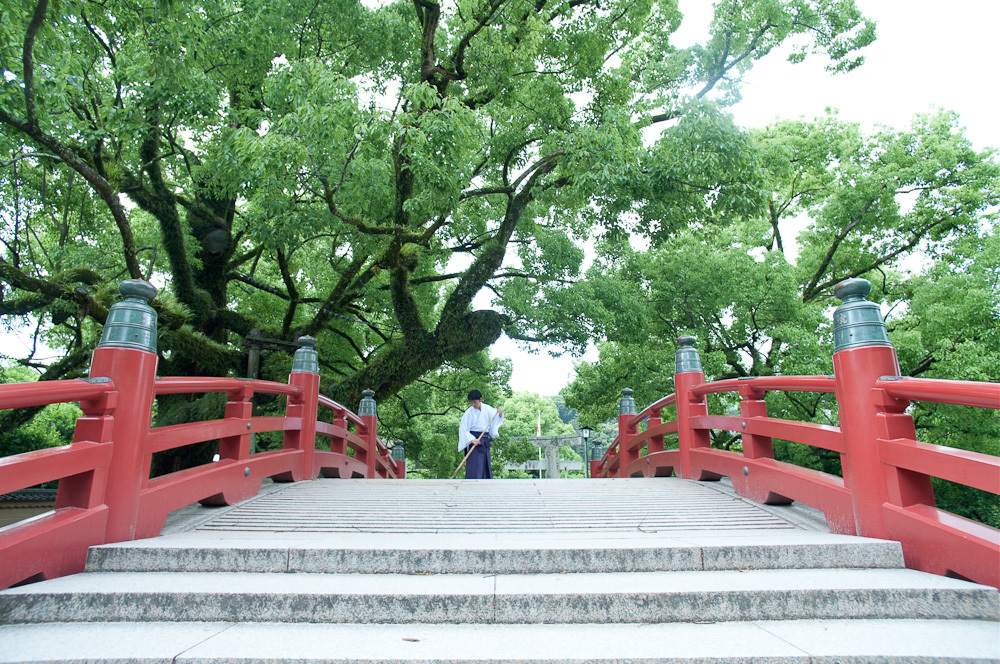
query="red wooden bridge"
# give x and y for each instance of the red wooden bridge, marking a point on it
(106, 494)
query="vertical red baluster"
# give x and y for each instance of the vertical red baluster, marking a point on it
(687, 375)
(87, 490)
(862, 355)
(303, 407)
(656, 442)
(368, 413)
(338, 444)
(238, 407)
(398, 459)
(626, 431)
(904, 487)
(127, 355)
(752, 404)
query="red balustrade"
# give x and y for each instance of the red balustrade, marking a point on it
(105, 493)
(886, 489)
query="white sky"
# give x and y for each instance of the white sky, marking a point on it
(927, 55)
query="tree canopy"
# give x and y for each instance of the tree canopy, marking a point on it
(361, 174)
(865, 206)
(913, 210)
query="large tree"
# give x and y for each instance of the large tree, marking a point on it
(914, 211)
(361, 174)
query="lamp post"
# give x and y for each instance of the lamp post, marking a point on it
(585, 432)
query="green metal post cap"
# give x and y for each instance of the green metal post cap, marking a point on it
(306, 359)
(686, 358)
(132, 322)
(137, 290)
(626, 406)
(852, 290)
(857, 323)
(367, 406)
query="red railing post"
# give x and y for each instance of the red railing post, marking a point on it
(755, 446)
(626, 431)
(862, 355)
(752, 404)
(368, 413)
(96, 425)
(304, 406)
(238, 407)
(398, 453)
(338, 443)
(656, 442)
(687, 375)
(126, 354)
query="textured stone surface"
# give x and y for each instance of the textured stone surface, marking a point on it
(525, 598)
(150, 643)
(183, 559)
(444, 558)
(437, 506)
(467, 571)
(771, 642)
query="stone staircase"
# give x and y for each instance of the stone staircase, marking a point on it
(635, 570)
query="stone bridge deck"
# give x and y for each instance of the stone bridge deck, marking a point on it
(473, 571)
(600, 507)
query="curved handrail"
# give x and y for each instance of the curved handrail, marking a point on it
(822, 384)
(329, 403)
(653, 410)
(202, 384)
(47, 392)
(932, 539)
(90, 491)
(957, 392)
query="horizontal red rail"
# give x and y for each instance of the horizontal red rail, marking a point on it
(198, 385)
(46, 392)
(820, 384)
(808, 433)
(944, 543)
(662, 429)
(31, 468)
(173, 436)
(980, 471)
(654, 409)
(959, 392)
(327, 402)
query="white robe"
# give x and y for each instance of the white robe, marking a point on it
(476, 420)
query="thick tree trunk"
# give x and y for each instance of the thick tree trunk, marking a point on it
(399, 367)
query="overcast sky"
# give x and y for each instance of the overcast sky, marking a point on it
(927, 55)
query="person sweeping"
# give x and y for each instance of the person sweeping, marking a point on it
(479, 426)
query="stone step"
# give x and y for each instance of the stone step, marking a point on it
(666, 505)
(768, 642)
(641, 597)
(457, 555)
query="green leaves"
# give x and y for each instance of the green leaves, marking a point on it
(911, 210)
(361, 175)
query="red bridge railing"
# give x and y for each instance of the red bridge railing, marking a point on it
(886, 487)
(105, 493)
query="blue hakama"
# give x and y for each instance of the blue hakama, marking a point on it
(478, 466)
